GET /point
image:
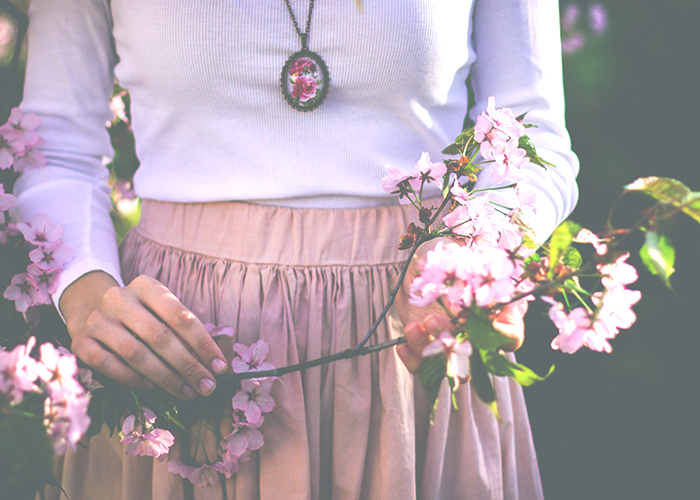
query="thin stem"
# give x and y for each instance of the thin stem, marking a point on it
(582, 301)
(392, 296)
(346, 354)
(198, 431)
(494, 188)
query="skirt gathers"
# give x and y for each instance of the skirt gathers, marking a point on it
(310, 282)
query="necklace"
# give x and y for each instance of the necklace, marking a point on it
(305, 79)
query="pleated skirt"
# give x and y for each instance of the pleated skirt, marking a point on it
(310, 282)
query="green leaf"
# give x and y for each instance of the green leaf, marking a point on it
(463, 138)
(559, 243)
(572, 258)
(669, 191)
(430, 373)
(481, 333)
(525, 143)
(658, 255)
(452, 149)
(481, 382)
(498, 364)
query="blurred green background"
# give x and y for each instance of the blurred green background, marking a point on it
(623, 425)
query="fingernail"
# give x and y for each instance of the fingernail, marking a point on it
(207, 386)
(219, 366)
(149, 384)
(188, 391)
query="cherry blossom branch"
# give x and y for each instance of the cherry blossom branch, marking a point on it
(346, 354)
(392, 297)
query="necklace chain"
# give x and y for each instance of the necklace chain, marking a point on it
(305, 35)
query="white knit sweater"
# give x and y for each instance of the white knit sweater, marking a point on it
(211, 123)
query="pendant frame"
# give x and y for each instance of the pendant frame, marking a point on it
(287, 81)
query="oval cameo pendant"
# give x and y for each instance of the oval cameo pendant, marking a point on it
(305, 80)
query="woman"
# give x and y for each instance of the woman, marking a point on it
(305, 255)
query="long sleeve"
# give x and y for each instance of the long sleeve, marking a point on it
(68, 84)
(518, 60)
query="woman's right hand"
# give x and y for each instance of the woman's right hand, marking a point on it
(140, 335)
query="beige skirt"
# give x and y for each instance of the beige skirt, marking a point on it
(310, 282)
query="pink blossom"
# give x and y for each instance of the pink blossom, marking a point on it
(46, 282)
(59, 372)
(251, 358)
(527, 198)
(177, 466)
(23, 125)
(445, 273)
(304, 88)
(493, 281)
(586, 236)
(254, 398)
(18, 371)
(424, 171)
(576, 330)
(593, 329)
(245, 436)
(509, 159)
(24, 291)
(7, 201)
(618, 273)
(456, 351)
(219, 331)
(30, 157)
(428, 171)
(503, 119)
(52, 255)
(66, 420)
(227, 466)
(205, 475)
(154, 443)
(11, 143)
(84, 375)
(489, 136)
(41, 230)
(390, 182)
(616, 306)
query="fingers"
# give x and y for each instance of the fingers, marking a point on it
(511, 324)
(180, 320)
(417, 338)
(160, 338)
(141, 335)
(95, 355)
(418, 335)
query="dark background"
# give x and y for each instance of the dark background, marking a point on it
(621, 425)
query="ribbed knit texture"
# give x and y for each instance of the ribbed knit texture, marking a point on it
(211, 123)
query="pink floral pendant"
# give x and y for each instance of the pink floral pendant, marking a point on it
(305, 80)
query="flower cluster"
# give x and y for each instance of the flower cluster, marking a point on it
(498, 131)
(40, 237)
(35, 286)
(54, 376)
(142, 438)
(491, 267)
(585, 326)
(18, 142)
(248, 406)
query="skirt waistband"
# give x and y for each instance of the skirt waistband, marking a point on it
(275, 235)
